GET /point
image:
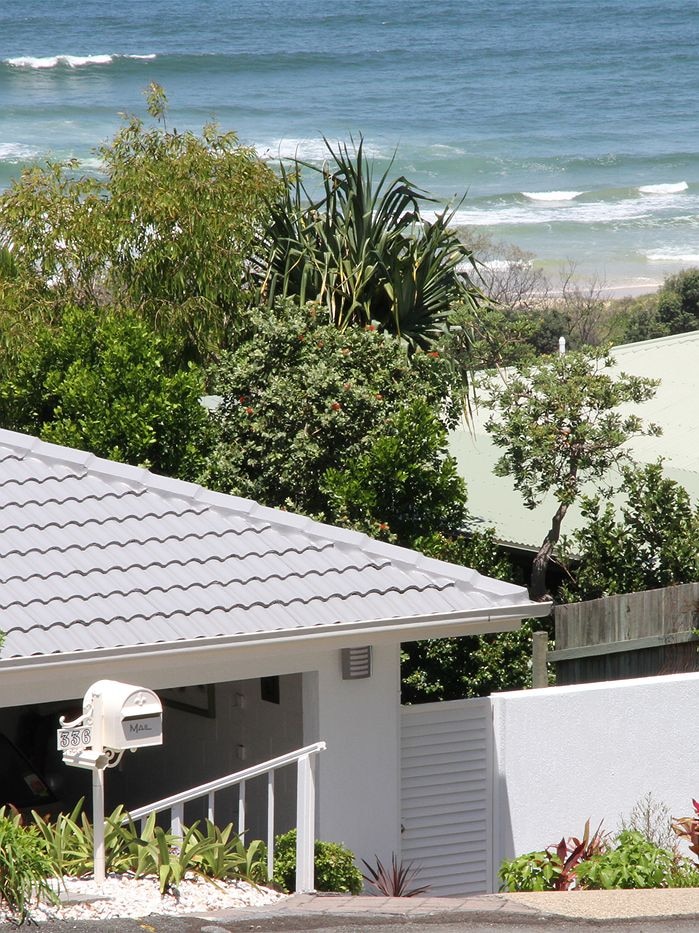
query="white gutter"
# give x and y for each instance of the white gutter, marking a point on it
(412, 628)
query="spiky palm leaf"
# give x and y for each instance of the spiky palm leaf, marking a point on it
(363, 250)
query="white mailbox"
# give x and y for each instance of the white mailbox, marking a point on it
(131, 717)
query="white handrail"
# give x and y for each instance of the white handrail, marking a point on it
(229, 780)
(305, 806)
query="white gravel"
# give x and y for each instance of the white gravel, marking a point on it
(125, 896)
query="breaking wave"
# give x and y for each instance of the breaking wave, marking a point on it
(552, 195)
(664, 189)
(33, 63)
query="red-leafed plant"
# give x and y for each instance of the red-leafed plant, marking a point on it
(395, 880)
(687, 827)
(573, 851)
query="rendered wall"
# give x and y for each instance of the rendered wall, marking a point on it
(358, 777)
(564, 754)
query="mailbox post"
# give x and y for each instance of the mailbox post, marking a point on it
(115, 717)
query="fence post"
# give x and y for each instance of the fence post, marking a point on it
(305, 826)
(540, 676)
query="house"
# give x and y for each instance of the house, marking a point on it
(673, 360)
(237, 614)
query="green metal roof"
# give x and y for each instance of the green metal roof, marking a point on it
(675, 407)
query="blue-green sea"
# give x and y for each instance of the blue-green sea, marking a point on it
(570, 127)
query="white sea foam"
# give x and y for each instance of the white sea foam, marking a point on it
(34, 63)
(92, 163)
(502, 265)
(552, 195)
(673, 256)
(658, 211)
(441, 150)
(664, 189)
(16, 152)
(309, 150)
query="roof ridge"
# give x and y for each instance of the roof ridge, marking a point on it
(654, 341)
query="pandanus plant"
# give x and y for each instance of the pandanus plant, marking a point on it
(363, 250)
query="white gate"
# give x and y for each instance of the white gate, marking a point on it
(447, 794)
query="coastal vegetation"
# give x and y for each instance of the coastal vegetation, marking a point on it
(338, 320)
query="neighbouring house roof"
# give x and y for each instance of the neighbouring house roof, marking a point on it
(97, 556)
(675, 362)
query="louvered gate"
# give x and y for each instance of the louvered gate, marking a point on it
(447, 793)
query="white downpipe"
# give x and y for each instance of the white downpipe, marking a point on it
(305, 822)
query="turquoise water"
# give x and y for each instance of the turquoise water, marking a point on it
(569, 126)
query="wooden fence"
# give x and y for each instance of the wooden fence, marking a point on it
(634, 635)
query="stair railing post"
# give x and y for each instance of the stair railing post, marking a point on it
(241, 810)
(270, 825)
(305, 826)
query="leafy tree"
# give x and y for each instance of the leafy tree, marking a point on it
(300, 397)
(104, 382)
(168, 227)
(673, 310)
(678, 303)
(476, 665)
(363, 250)
(403, 486)
(652, 542)
(559, 425)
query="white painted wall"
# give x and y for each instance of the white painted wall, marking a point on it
(564, 754)
(358, 774)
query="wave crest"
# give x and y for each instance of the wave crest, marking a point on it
(675, 188)
(309, 150)
(35, 63)
(552, 195)
(17, 152)
(673, 256)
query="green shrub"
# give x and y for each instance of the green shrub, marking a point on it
(532, 871)
(24, 867)
(634, 862)
(334, 866)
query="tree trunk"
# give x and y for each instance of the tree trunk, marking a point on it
(537, 584)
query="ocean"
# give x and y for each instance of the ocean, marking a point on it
(568, 129)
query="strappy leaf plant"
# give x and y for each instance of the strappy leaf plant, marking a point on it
(25, 869)
(363, 249)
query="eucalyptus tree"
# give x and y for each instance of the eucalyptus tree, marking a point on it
(166, 227)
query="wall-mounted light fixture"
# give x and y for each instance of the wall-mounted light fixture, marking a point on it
(356, 663)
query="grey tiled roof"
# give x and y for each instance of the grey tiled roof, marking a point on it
(99, 555)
